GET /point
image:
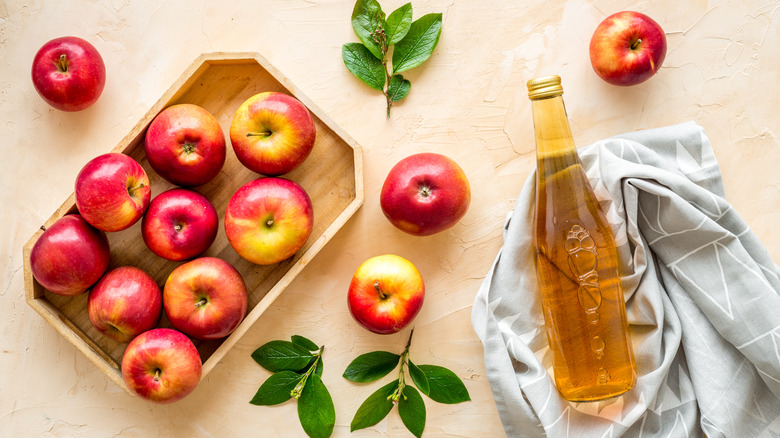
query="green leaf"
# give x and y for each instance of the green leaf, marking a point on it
(371, 366)
(445, 386)
(367, 17)
(398, 23)
(315, 409)
(418, 44)
(276, 389)
(362, 64)
(411, 408)
(320, 366)
(398, 88)
(375, 408)
(282, 355)
(305, 343)
(419, 378)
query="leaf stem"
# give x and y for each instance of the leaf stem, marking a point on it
(387, 82)
(296, 392)
(381, 39)
(396, 395)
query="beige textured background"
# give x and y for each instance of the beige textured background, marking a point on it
(468, 101)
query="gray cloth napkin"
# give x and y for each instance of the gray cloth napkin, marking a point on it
(701, 293)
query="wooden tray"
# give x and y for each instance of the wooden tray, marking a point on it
(332, 176)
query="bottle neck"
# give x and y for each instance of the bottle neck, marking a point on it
(551, 127)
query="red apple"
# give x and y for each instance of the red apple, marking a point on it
(386, 293)
(205, 298)
(124, 303)
(425, 193)
(161, 366)
(185, 145)
(70, 256)
(112, 192)
(268, 220)
(272, 133)
(179, 224)
(627, 48)
(69, 73)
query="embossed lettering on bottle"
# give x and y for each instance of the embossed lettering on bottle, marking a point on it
(583, 263)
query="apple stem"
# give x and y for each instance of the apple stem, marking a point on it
(62, 63)
(157, 375)
(201, 302)
(131, 190)
(43, 227)
(259, 134)
(177, 227)
(379, 290)
(635, 45)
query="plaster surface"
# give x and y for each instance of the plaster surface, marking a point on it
(467, 101)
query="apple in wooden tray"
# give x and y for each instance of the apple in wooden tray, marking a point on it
(124, 303)
(205, 298)
(179, 224)
(425, 194)
(386, 293)
(268, 220)
(161, 365)
(185, 145)
(272, 133)
(70, 256)
(627, 48)
(112, 192)
(69, 73)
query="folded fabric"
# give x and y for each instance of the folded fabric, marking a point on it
(701, 294)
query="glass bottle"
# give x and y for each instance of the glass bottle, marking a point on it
(576, 262)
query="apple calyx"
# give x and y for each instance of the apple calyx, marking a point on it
(382, 295)
(188, 147)
(424, 191)
(62, 63)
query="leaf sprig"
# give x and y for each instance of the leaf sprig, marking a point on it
(297, 367)
(438, 383)
(411, 42)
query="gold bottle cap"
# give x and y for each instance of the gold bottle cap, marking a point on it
(547, 86)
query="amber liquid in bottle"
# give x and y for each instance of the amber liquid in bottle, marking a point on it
(576, 263)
